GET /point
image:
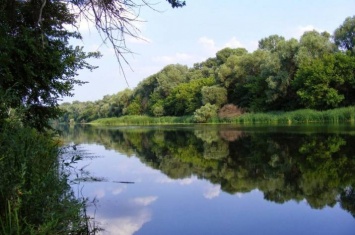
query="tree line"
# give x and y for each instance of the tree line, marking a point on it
(317, 72)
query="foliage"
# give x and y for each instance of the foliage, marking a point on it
(205, 113)
(344, 36)
(185, 98)
(34, 188)
(38, 66)
(316, 83)
(281, 75)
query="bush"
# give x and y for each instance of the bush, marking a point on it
(205, 113)
(230, 111)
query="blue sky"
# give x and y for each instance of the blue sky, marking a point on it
(197, 31)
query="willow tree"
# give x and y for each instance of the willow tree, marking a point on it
(38, 66)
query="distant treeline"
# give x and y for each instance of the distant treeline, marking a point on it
(315, 72)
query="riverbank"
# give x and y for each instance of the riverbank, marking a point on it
(339, 115)
(35, 190)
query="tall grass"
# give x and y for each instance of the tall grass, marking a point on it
(339, 115)
(35, 195)
(142, 120)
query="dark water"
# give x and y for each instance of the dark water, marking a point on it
(219, 179)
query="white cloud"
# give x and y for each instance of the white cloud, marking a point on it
(212, 192)
(181, 58)
(208, 44)
(212, 48)
(144, 201)
(127, 225)
(234, 43)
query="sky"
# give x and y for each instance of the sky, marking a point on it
(196, 32)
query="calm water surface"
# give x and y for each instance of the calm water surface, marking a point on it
(218, 179)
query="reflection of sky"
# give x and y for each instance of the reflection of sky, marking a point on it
(156, 204)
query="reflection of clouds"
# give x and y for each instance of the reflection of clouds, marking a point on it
(212, 192)
(126, 225)
(126, 219)
(186, 181)
(144, 201)
(118, 190)
(166, 180)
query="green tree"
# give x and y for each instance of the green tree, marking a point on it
(38, 66)
(186, 97)
(316, 83)
(344, 36)
(314, 45)
(170, 77)
(271, 43)
(214, 95)
(225, 53)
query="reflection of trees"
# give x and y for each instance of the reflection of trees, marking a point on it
(317, 168)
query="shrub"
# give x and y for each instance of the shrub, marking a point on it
(205, 113)
(230, 111)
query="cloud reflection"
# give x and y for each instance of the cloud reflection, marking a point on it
(186, 181)
(127, 225)
(212, 192)
(144, 201)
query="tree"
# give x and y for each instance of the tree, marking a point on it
(271, 43)
(214, 95)
(344, 36)
(314, 45)
(316, 83)
(38, 65)
(185, 98)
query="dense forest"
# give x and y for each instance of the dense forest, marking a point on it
(317, 72)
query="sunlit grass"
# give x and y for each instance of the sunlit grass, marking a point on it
(339, 115)
(142, 120)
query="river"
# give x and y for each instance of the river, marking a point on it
(217, 179)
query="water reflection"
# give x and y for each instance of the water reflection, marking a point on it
(316, 167)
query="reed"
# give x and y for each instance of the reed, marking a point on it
(339, 115)
(142, 120)
(34, 191)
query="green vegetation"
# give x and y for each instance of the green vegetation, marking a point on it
(339, 115)
(141, 120)
(314, 72)
(34, 191)
(208, 114)
(38, 67)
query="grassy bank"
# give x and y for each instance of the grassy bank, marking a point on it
(339, 115)
(142, 120)
(34, 191)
